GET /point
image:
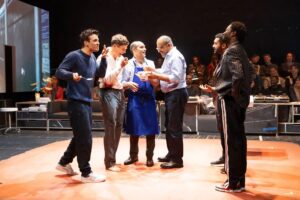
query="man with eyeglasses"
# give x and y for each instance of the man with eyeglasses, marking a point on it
(172, 82)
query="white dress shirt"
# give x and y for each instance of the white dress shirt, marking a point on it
(174, 66)
(113, 74)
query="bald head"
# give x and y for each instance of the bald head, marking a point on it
(164, 44)
(164, 39)
(134, 45)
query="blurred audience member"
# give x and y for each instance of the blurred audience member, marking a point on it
(276, 88)
(294, 90)
(265, 90)
(273, 71)
(285, 68)
(267, 63)
(257, 83)
(211, 68)
(193, 90)
(159, 62)
(53, 90)
(197, 70)
(294, 73)
(260, 71)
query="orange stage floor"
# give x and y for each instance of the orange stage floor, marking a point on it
(273, 173)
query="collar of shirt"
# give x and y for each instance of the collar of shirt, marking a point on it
(112, 59)
(171, 51)
(136, 64)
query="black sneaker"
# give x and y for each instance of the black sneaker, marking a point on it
(226, 188)
(220, 161)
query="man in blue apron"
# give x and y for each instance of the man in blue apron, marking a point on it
(141, 117)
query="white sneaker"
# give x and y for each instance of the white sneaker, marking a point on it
(93, 178)
(66, 169)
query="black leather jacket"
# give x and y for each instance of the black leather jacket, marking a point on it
(235, 74)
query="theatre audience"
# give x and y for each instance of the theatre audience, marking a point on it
(269, 78)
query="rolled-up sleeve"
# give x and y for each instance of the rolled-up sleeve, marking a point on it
(177, 70)
(127, 73)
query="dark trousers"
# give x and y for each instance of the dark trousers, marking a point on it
(175, 102)
(113, 105)
(233, 116)
(134, 148)
(220, 124)
(80, 115)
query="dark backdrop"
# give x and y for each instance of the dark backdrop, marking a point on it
(273, 26)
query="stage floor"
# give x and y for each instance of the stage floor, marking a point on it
(273, 173)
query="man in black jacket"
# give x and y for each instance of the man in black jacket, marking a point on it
(233, 78)
(220, 44)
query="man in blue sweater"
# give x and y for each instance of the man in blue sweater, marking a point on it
(79, 68)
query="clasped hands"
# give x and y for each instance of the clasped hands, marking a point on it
(148, 73)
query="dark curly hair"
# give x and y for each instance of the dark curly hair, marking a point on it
(85, 35)
(240, 29)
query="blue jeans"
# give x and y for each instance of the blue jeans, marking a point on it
(175, 102)
(80, 114)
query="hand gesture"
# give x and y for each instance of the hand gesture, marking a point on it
(124, 62)
(207, 88)
(104, 51)
(133, 86)
(148, 68)
(76, 77)
(142, 76)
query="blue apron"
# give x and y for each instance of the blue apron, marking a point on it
(141, 116)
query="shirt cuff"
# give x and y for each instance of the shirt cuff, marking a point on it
(173, 79)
